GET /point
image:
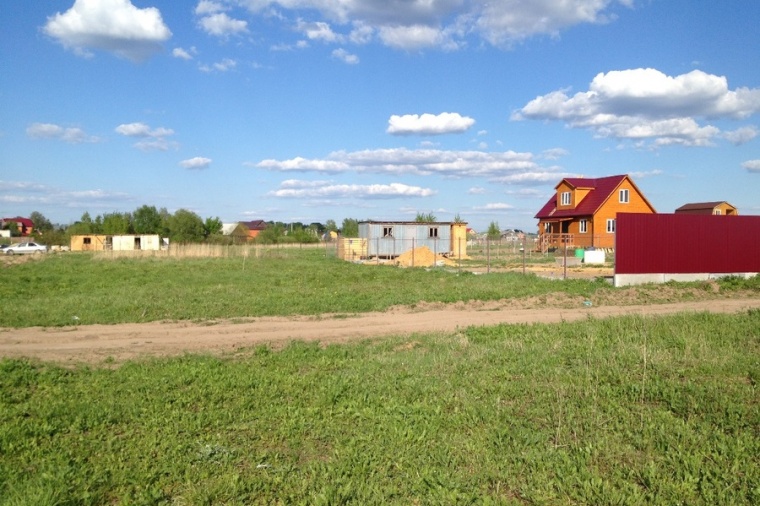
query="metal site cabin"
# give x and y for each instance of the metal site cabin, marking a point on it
(389, 239)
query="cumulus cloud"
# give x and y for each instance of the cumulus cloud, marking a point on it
(429, 124)
(647, 105)
(344, 56)
(322, 189)
(151, 139)
(446, 24)
(752, 166)
(115, 26)
(221, 25)
(72, 135)
(318, 31)
(196, 163)
(741, 135)
(507, 166)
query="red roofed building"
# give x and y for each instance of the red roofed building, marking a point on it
(254, 227)
(582, 211)
(716, 208)
(25, 225)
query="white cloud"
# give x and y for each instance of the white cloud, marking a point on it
(308, 189)
(446, 24)
(115, 26)
(344, 56)
(28, 193)
(507, 167)
(221, 66)
(72, 135)
(196, 163)
(206, 7)
(178, 52)
(150, 139)
(508, 21)
(414, 37)
(318, 31)
(752, 166)
(496, 206)
(429, 124)
(554, 153)
(221, 25)
(645, 173)
(741, 135)
(647, 105)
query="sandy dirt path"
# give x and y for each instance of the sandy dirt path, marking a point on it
(117, 343)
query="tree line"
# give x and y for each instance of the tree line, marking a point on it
(184, 226)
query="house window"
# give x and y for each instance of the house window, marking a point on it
(624, 196)
(583, 226)
(433, 232)
(717, 212)
(387, 231)
(565, 198)
(547, 227)
(87, 240)
(610, 226)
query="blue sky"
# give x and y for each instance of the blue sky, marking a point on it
(309, 110)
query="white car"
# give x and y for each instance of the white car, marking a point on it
(25, 248)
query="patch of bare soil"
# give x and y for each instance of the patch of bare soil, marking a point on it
(113, 344)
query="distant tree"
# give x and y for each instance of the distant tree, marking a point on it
(146, 220)
(494, 232)
(331, 226)
(273, 234)
(185, 227)
(116, 223)
(82, 227)
(317, 227)
(425, 218)
(458, 219)
(41, 224)
(303, 235)
(212, 226)
(350, 228)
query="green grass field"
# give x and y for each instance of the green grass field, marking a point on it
(627, 410)
(283, 282)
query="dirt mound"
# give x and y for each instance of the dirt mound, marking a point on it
(421, 257)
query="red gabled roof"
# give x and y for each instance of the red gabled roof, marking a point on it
(255, 225)
(21, 221)
(601, 189)
(700, 206)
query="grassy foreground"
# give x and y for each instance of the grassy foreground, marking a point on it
(54, 290)
(83, 288)
(628, 410)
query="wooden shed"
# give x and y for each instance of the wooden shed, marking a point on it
(721, 208)
(98, 242)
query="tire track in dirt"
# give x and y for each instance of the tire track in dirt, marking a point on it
(117, 343)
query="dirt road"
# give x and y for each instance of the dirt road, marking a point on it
(117, 343)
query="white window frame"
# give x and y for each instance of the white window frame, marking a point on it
(716, 212)
(624, 196)
(610, 225)
(565, 199)
(583, 227)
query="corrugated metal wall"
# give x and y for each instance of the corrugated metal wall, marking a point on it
(405, 237)
(683, 243)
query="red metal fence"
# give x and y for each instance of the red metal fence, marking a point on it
(683, 243)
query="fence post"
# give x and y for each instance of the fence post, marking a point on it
(488, 255)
